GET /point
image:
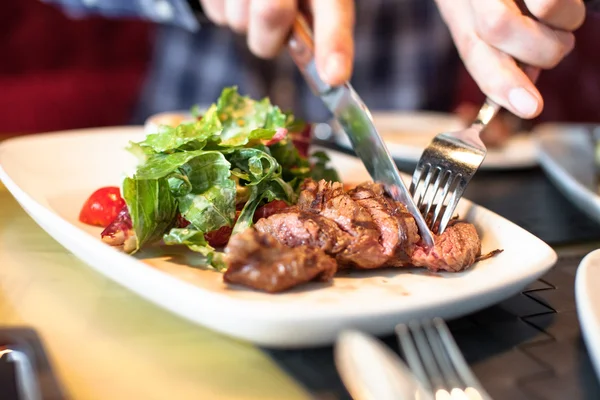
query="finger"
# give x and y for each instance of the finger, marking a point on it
(269, 25)
(501, 24)
(499, 77)
(334, 43)
(215, 11)
(495, 72)
(237, 12)
(566, 15)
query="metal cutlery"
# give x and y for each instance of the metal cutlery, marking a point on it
(26, 380)
(434, 358)
(371, 371)
(446, 167)
(354, 117)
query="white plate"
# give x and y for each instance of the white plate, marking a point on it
(566, 154)
(407, 134)
(52, 175)
(587, 296)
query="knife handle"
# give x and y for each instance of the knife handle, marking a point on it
(302, 49)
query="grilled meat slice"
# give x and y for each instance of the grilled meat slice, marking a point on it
(455, 249)
(397, 228)
(297, 228)
(329, 200)
(259, 261)
(364, 228)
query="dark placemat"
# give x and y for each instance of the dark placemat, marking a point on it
(527, 347)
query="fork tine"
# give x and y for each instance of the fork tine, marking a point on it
(449, 374)
(456, 196)
(416, 179)
(425, 191)
(434, 191)
(457, 358)
(440, 205)
(411, 354)
(426, 355)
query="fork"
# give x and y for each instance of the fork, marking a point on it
(446, 167)
(436, 361)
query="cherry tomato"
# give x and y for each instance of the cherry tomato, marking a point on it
(102, 207)
(269, 209)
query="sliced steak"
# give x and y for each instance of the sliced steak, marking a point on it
(257, 260)
(397, 228)
(455, 249)
(296, 228)
(329, 200)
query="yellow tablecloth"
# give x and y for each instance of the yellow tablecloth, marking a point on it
(106, 342)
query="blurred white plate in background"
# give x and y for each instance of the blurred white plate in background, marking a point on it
(407, 134)
(566, 153)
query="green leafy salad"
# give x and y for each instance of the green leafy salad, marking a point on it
(238, 156)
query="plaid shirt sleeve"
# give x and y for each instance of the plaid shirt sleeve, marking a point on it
(174, 12)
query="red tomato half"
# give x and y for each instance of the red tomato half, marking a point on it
(102, 207)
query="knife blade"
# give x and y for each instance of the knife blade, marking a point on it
(371, 371)
(356, 120)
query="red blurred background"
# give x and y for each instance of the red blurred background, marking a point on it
(57, 73)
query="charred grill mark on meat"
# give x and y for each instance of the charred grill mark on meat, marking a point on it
(361, 228)
(329, 200)
(259, 261)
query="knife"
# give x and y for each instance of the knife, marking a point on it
(356, 120)
(371, 371)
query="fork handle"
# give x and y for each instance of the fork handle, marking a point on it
(488, 110)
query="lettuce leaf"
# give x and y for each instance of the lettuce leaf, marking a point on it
(265, 192)
(254, 165)
(245, 119)
(170, 138)
(212, 208)
(202, 169)
(195, 241)
(152, 208)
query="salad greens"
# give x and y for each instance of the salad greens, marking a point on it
(203, 171)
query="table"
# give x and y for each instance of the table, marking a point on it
(106, 342)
